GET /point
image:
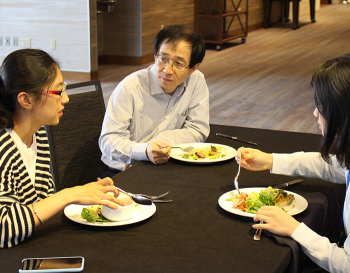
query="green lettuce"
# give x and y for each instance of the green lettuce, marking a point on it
(92, 216)
(252, 203)
(268, 196)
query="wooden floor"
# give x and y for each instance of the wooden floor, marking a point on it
(265, 83)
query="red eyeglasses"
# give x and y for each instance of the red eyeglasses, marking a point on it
(57, 92)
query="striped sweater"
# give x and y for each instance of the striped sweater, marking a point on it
(17, 190)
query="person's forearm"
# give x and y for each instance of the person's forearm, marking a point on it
(308, 164)
(183, 135)
(194, 129)
(116, 148)
(50, 206)
(269, 160)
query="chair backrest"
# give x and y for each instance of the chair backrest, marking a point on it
(75, 154)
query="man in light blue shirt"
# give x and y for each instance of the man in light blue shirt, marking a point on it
(154, 108)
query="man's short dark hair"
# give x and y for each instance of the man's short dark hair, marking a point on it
(177, 33)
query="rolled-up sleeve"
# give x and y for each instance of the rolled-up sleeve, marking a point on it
(17, 223)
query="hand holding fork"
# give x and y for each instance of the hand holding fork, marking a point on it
(258, 231)
(239, 170)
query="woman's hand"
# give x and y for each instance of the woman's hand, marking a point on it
(276, 221)
(95, 193)
(254, 160)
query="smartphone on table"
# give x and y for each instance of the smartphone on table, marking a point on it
(52, 264)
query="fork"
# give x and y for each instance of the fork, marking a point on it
(258, 233)
(190, 148)
(152, 197)
(239, 170)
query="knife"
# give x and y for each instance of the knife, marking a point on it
(237, 139)
(287, 184)
(161, 201)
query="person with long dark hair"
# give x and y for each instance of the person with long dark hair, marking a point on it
(32, 94)
(331, 85)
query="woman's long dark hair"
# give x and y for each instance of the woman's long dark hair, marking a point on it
(25, 70)
(331, 85)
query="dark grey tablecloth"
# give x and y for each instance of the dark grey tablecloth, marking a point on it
(319, 203)
(192, 234)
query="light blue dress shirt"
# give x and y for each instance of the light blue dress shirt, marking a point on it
(139, 112)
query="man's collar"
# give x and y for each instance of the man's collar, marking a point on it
(155, 86)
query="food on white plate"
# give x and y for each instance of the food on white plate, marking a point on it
(94, 213)
(284, 200)
(201, 155)
(204, 153)
(252, 202)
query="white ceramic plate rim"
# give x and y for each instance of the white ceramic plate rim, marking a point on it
(73, 212)
(300, 202)
(176, 153)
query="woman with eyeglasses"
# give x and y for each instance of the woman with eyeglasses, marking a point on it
(32, 94)
(331, 85)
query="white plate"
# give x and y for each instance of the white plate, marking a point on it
(73, 213)
(178, 153)
(300, 202)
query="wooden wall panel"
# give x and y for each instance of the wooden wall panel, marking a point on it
(65, 21)
(156, 13)
(131, 28)
(100, 43)
(122, 29)
(93, 36)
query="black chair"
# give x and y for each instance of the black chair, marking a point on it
(75, 154)
(286, 3)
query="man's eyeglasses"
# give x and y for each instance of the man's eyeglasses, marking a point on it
(57, 92)
(177, 66)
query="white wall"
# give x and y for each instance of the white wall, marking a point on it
(66, 21)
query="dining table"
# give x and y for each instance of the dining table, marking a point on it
(193, 233)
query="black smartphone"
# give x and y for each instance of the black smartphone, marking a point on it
(52, 264)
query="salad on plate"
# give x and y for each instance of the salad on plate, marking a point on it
(252, 202)
(93, 214)
(207, 152)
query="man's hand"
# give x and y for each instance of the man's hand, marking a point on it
(127, 166)
(158, 152)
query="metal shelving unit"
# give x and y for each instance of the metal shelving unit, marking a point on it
(214, 20)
